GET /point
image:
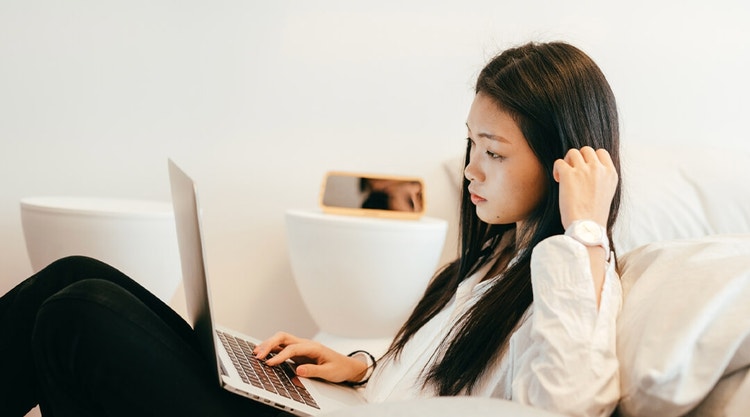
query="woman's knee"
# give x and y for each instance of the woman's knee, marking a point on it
(80, 310)
(88, 296)
(75, 264)
(67, 311)
(72, 269)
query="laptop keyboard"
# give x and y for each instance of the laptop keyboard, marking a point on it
(279, 379)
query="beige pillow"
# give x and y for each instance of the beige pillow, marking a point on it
(685, 321)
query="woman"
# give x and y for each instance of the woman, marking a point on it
(527, 312)
(538, 114)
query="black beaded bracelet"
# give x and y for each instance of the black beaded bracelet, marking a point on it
(374, 364)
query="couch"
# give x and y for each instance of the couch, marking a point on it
(683, 242)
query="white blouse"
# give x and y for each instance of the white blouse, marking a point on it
(561, 357)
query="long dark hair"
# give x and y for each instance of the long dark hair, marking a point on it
(560, 100)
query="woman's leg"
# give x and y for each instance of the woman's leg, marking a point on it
(18, 315)
(18, 310)
(101, 351)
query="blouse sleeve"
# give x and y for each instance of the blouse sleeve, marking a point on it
(570, 366)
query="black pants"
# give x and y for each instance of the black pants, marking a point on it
(80, 338)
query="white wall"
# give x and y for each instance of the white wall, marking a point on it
(258, 99)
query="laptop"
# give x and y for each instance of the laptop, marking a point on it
(237, 369)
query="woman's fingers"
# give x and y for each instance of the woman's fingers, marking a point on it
(574, 157)
(605, 158)
(586, 155)
(274, 343)
(589, 155)
(301, 352)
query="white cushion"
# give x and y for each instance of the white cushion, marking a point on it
(729, 398)
(685, 321)
(672, 192)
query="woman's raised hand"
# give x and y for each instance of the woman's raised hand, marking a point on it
(588, 180)
(312, 359)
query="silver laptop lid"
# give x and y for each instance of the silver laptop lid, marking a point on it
(192, 259)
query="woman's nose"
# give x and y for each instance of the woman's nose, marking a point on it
(471, 172)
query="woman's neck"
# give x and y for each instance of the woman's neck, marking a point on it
(502, 255)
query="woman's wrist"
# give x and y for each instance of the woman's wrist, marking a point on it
(365, 365)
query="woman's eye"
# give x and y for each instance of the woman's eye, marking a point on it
(493, 155)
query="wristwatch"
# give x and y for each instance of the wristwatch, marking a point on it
(590, 233)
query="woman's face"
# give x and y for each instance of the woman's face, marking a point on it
(506, 179)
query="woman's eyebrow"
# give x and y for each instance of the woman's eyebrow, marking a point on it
(494, 137)
(490, 136)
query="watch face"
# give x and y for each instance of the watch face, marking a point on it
(589, 232)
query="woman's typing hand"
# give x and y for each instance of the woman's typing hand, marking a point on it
(312, 359)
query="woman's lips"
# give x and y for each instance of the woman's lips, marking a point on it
(476, 199)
